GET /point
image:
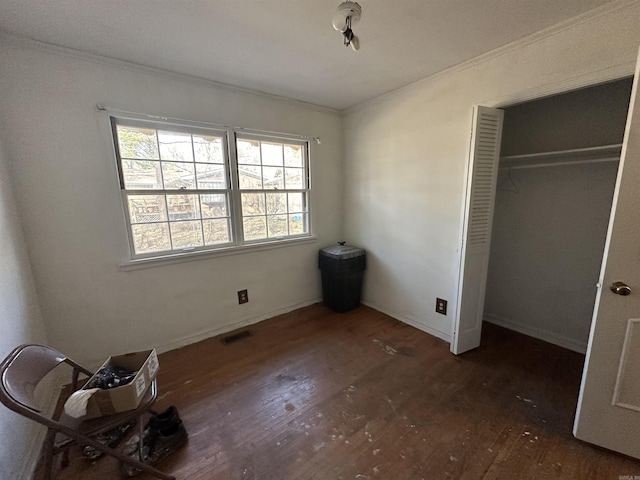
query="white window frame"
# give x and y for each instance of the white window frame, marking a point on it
(239, 191)
(237, 243)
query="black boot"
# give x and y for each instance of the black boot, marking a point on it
(164, 420)
(164, 434)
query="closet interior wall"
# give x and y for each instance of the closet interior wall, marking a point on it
(552, 211)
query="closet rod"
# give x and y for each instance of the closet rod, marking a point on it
(558, 164)
(606, 153)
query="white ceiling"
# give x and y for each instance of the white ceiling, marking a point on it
(288, 47)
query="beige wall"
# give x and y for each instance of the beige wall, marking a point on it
(546, 250)
(406, 155)
(61, 161)
(20, 322)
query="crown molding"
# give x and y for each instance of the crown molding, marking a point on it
(30, 43)
(535, 37)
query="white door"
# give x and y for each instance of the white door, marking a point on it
(478, 218)
(608, 411)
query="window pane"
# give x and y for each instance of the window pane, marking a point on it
(250, 177)
(276, 203)
(254, 228)
(208, 149)
(272, 154)
(178, 175)
(293, 156)
(216, 231)
(146, 208)
(186, 234)
(272, 177)
(293, 177)
(183, 207)
(296, 202)
(211, 177)
(141, 174)
(277, 225)
(253, 204)
(178, 191)
(297, 223)
(134, 142)
(150, 237)
(175, 146)
(248, 152)
(213, 205)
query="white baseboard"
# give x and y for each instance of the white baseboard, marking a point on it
(411, 321)
(188, 340)
(550, 337)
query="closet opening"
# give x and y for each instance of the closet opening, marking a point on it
(556, 178)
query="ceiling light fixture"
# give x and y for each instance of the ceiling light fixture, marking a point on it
(347, 14)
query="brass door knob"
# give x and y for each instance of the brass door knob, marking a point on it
(620, 288)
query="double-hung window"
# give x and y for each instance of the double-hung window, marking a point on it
(192, 188)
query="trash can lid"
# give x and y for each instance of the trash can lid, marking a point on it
(342, 252)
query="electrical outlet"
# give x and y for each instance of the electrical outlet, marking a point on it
(441, 306)
(243, 296)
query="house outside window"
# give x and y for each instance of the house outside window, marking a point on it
(191, 188)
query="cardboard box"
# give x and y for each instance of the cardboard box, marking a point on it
(126, 397)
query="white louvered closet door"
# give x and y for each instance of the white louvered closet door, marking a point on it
(480, 199)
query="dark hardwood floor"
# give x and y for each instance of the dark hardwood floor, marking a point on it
(319, 395)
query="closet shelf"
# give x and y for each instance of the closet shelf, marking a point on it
(606, 153)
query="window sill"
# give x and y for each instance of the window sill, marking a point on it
(159, 261)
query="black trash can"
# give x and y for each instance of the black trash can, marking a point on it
(342, 268)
